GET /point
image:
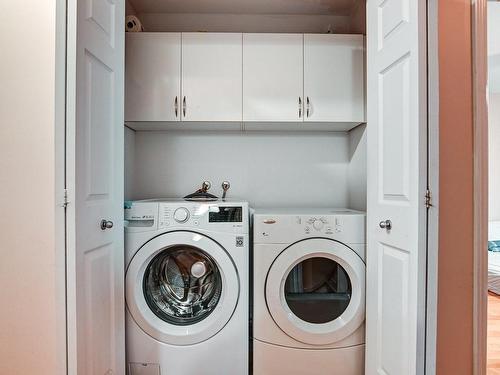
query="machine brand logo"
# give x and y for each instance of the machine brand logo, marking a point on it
(239, 241)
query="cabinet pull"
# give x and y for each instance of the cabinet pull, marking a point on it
(300, 107)
(184, 106)
(176, 106)
(308, 103)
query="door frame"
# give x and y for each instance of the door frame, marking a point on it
(433, 187)
(480, 133)
(67, 25)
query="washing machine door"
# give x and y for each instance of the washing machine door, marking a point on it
(315, 291)
(182, 288)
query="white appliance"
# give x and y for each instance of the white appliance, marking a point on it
(309, 292)
(187, 287)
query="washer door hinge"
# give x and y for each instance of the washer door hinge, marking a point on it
(428, 199)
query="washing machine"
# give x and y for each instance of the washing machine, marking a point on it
(309, 292)
(187, 272)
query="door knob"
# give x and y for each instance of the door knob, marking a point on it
(106, 224)
(385, 224)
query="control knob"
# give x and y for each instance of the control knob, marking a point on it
(318, 224)
(181, 215)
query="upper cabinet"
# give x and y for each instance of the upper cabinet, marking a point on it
(315, 80)
(152, 76)
(273, 77)
(334, 78)
(211, 76)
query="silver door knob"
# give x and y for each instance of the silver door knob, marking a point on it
(385, 224)
(106, 224)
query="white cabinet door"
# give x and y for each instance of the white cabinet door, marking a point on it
(153, 76)
(273, 77)
(95, 260)
(334, 78)
(211, 76)
(397, 169)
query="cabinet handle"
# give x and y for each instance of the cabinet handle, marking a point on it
(176, 106)
(308, 102)
(300, 107)
(184, 106)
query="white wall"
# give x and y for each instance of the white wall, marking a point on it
(32, 336)
(494, 109)
(265, 168)
(494, 46)
(494, 156)
(246, 23)
(356, 172)
(129, 149)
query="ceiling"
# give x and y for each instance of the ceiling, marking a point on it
(324, 7)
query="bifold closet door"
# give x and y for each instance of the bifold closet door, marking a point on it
(334, 78)
(211, 77)
(397, 180)
(273, 77)
(95, 167)
(153, 77)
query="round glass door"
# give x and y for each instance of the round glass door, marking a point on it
(181, 288)
(318, 290)
(182, 285)
(315, 291)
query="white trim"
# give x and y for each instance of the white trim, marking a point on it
(71, 10)
(480, 113)
(433, 183)
(60, 213)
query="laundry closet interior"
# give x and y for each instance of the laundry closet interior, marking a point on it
(314, 221)
(269, 96)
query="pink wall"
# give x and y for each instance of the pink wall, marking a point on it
(32, 325)
(455, 286)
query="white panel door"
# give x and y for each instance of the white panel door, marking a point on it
(273, 77)
(98, 285)
(397, 127)
(211, 77)
(334, 78)
(153, 77)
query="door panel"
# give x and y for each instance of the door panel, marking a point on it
(334, 78)
(273, 77)
(211, 76)
(153, 77)
(397, 170)
(98, 184)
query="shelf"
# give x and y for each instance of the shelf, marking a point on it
(243, 126)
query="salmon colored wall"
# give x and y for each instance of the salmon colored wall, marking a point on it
(455, 285)
(32, 325)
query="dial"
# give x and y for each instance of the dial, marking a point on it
(317, 224)
(181, 215)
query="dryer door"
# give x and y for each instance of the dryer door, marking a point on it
(315, 291)
(181, 288)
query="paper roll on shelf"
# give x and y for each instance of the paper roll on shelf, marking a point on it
(133, 24)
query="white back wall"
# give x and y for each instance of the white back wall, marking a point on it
(494, 46)
(356, 172)
(265, 168)
(494, 156)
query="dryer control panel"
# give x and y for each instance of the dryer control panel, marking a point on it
(287, 227)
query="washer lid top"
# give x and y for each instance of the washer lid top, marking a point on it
(181, 288)
(315, 291)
